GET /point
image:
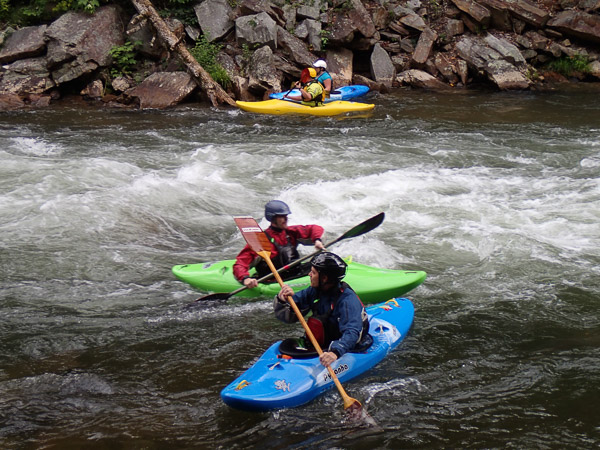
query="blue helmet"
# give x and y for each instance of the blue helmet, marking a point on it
(330, 264)
(276, 208)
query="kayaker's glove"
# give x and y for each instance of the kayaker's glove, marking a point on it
(283, 310)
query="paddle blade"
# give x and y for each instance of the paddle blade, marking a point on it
(253, 234)
(304, 76)
(215, 296)
(364, 227)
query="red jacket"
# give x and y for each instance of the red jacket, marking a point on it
(297, 234)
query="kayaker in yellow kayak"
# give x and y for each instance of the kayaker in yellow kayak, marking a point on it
(311, 91)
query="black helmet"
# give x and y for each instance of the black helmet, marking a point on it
(330, 264)
(276, 208)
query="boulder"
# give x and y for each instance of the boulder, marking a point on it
(310, 30)
(420, 79)
(256, 30)
(147, 42)
(277, 13)
(163, 89)
(25, 43)
(507, 50)
(382, 67)
(80, 43)
(578, 24)
(455, 27)
(263, 76)
(26, 76)
(478, 54)
(344, 24)
(445, 67)
(339, 66)
(214, 18)
(423, 49)
(294, 48)
(480, 14)
(500, 18)
(94, 90)
(10, 102)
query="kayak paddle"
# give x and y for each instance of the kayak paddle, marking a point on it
(358, 230)
(259, 242)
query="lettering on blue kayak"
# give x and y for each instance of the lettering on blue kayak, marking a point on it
(281, 385)
(340, 369)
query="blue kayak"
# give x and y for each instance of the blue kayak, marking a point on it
(341, 93)
(279, 380)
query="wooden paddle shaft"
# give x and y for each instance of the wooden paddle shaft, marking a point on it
(348, 401)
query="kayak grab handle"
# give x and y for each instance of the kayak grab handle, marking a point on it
(242, 384)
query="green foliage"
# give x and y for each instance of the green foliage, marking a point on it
(89, 6)
(325, 35)
(206, 53)
(123, 59)
(568, 65)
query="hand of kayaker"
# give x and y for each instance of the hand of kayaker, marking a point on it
(250, 282)
(327, 358)
(319, 245)
(285, 292)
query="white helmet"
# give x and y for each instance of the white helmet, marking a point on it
(320, 63)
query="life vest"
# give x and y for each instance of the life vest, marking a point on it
(318, 99)
(324, 330)
(321, 78)
(285, 254)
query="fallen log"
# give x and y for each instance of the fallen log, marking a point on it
(213, 90)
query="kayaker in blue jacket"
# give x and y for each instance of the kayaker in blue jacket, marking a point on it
(339, 321)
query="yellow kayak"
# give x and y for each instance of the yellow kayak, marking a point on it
(276, 106)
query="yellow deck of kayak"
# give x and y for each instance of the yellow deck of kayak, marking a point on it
(276, 106)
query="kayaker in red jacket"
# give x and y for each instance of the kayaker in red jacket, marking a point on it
(285, 240)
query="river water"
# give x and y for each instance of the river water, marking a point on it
(495, 195)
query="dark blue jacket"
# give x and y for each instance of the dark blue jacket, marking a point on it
(347, 314)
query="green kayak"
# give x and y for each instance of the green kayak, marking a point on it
(372, 284)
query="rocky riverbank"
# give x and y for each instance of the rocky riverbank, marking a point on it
(264, 45)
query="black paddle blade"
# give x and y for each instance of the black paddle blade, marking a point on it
(215, 296)
(364, 227)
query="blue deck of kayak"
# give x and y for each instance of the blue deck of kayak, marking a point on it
(275, 382)
(341, 93)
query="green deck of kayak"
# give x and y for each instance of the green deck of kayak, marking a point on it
(372, 284)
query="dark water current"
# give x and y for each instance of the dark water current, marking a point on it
(495, 195)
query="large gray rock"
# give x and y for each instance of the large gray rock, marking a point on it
(80, 43)
(147, 41)
(382, 67)
(479, 13)
(423, 49)
(344, 24)
(262, 74)
(26, 76)
(507, 50)
(578, 24)
(478, 54)
(420, 79)
(25, 43)
(310, 30)
(163, 89)
(339, 66)
(256, 30)
(294, 48)
(213, 18)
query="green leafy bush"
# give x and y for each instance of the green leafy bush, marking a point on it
(206, 53)
(568, 65)
(123, 58)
